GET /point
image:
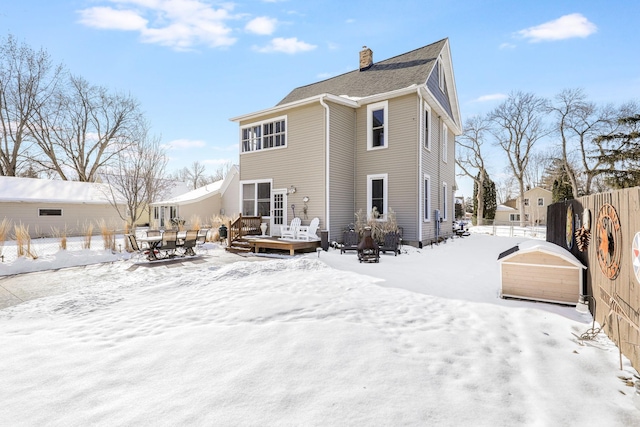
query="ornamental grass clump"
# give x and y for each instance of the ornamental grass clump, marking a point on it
(23, 241)
(5, 226)
(62, 235)
(108, 235)
(196, 222)
(87, 234)
(379, 225)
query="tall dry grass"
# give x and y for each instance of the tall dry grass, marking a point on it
(108, 235)
(196, 222)
(5, 226)
(378, 226)
(23, 241)
(62, 235)
(216, 221)
(87, 234)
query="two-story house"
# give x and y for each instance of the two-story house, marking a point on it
(535, 201)
(381, 136)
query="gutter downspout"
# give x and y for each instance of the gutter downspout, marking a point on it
(420, 171)
(327, 161)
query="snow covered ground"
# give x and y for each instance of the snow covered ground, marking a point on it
(418, 339)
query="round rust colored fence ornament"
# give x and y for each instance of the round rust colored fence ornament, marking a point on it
(608, 241)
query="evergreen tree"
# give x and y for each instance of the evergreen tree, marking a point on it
(562, 189)
(623, 154)
(490, 204)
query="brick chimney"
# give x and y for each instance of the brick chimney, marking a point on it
(366, 58)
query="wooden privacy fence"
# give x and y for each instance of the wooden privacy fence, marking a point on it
(612, 281)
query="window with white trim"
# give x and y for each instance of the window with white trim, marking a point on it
(264, 135)
(427, 124)
(514, 217)
(377, 122)
(49, 212)
(445, 199)
(427, 198)
(445, 142)
(377, 194)
(256, 198)
(526, 202)
(440, 74)
(540, 201)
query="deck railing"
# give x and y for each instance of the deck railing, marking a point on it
(243, 226)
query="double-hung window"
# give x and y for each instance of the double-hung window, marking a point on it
(427, 198)
(377, 123)
(264, 135)
(445, 199)
(445, 142)
(526, 202)
(377, 194)
(426, 128)
(540, 201)
(256, 198)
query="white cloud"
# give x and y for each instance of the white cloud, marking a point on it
(350, 21)
(179, 24)
(565, 27)
(492, 97)
(262, 25)
(112, 19)
(507, 46)
(181, 144)
(291, 45)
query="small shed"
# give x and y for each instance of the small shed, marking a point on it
(541, 271)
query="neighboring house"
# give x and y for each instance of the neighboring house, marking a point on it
(506, 215)
(48, 207)
(381, 136)
(535, 201)
(220, 198)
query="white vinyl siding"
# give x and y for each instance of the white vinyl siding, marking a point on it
(377, 125)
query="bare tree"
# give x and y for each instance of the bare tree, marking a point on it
(470, 159)
(27, 79)
(517, 126)
(505, 189)
(83, 129)
(138, 176)
(196, 176)
(538, 163)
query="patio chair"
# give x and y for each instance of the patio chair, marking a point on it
(308, 232)
(153, 233)
(169, 242)
(201, 239)
(190, 242)
(290, 231)
(349, 241)
(391, 243)
(136, 250)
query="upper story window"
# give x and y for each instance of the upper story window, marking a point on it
(427, 126)
(264, 135)
(440, 74)
(49, 212)
(377, 122)
(526, 202)
(445, 142)
(540, 201)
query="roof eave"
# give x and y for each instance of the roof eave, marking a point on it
(299, 103)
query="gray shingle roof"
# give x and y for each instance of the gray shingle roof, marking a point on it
(385, 76)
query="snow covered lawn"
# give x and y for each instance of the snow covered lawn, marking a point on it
(418, 339)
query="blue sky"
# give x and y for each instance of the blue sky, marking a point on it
(193, 64)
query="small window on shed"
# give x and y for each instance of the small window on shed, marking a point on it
(49, 212)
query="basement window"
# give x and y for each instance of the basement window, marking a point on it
(49, 212)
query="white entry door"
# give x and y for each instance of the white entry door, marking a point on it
(278, 211)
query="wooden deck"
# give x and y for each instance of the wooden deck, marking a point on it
(283, 245)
